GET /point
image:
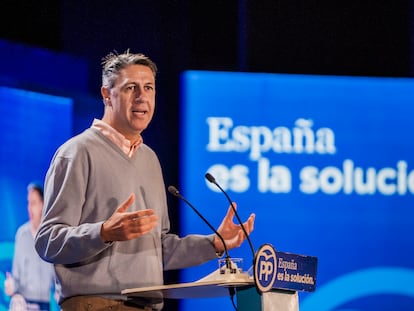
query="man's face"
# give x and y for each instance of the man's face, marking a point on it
(34, 206)
(132, 101)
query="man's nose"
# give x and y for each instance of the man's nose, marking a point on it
(139, 93)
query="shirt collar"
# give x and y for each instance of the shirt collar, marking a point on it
(117, 138)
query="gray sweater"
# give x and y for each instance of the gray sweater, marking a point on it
(33, 277)
(88, 178)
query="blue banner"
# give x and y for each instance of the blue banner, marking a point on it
(34, 125)
(325, 162)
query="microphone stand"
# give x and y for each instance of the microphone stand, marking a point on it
(211, 179)
(174, 191)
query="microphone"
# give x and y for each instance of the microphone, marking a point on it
(174, 191)
(229, 265)
(211, 179)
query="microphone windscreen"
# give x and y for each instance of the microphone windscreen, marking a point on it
(173, 190)
(210, 178)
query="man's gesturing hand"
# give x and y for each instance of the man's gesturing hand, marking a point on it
(123, 225)
(233, 234)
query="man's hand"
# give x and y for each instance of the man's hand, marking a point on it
(9, 284)
(123, 225)
(232, 234)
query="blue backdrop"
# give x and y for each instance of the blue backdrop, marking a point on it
(34, 125)
(325, 163)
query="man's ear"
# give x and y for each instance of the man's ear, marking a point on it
(105, 96)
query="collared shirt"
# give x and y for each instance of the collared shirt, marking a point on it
(103, 176)
(128, 147)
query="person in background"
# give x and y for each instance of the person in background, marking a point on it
(105, 225)
(32, 279)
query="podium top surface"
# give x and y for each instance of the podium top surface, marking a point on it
(214, 285)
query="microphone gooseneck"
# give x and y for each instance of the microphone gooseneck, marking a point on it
(174, 191)
(211, 179)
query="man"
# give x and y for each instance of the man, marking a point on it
(32, 279)
(106, 225)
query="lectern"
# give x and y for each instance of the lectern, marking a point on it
(273, 286)
(218, 285)
(249, 299)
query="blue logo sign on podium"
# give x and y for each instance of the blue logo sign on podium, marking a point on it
(279, 270)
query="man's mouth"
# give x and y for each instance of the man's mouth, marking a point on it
(140, 112)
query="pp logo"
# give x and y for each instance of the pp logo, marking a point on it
(265, 268)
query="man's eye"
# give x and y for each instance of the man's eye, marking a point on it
(131, 87)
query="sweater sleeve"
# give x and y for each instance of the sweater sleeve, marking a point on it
(61, 239)
(191, 250)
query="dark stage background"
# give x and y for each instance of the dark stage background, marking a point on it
(357, 38)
